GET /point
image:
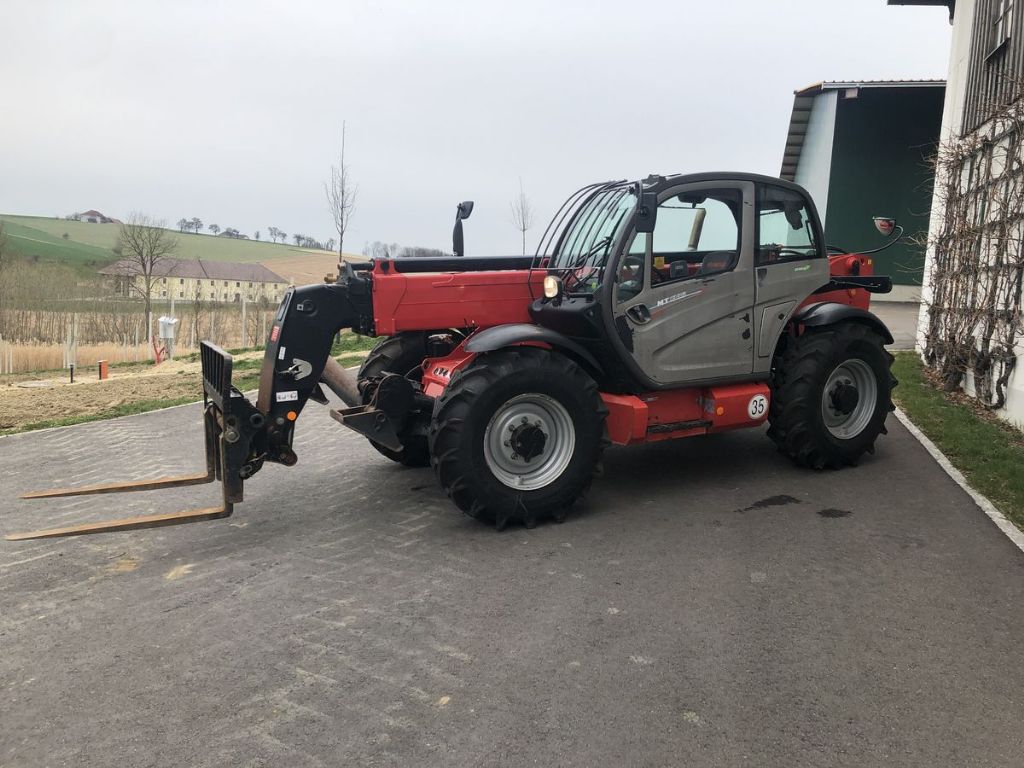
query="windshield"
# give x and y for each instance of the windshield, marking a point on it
(586, 245)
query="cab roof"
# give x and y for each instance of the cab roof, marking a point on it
(656, 182)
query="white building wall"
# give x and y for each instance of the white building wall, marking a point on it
(815, 165)
(952, 120)
(184, 289)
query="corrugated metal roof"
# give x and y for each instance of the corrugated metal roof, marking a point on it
(196, 268)
(842, 85)
(803, 100)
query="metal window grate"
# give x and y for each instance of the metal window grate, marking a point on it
(1003, 23)
(996, 62)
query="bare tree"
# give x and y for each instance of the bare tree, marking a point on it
(196, 224)
(421, 252)
(145, 247)
(522, 213)
(4, 255)
(182, 223)
(198, 311)
(298, 239)
(341, 192)
(214, 228)
(379, 250)
(5, 259)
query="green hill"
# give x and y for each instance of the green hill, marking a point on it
(33, 242)
(88, 246)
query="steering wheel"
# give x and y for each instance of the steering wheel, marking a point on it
(791, 252)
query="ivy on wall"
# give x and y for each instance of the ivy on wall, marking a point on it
(977, 266)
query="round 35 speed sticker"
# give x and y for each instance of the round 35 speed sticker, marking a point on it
(757, 407)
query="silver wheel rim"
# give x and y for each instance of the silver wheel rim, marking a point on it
(529, 416)
(840, 419)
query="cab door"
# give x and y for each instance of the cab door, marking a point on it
(790, 263)
(683, 294)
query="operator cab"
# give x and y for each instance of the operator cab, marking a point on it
(681, 280)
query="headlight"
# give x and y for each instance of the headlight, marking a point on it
(552, 287)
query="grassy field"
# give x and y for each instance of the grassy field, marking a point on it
(103, 237)
(89, 246)
(986, 449)
(33, 242)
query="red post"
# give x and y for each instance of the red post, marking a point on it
(104, 369)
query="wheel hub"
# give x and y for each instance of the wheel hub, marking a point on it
(849, 398)
(528, 441)
(845, 398)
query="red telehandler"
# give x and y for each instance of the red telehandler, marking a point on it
(658, 309)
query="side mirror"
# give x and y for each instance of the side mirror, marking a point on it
(646, 212)
(885, 225)
(461, 212)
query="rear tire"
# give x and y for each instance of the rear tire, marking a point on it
(831, 393)
(518, 436)
(401, 354)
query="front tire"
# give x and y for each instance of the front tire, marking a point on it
(831, 392)
(518, 436)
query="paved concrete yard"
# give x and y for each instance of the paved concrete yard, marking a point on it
(901, 320)
(710, 605)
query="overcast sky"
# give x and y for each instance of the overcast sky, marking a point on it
(232, 111)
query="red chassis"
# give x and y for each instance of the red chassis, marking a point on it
(479, 300)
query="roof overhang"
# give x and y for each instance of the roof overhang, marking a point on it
(798, 121)
(951, 4)
(842, 85)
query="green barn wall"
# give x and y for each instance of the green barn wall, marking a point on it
(883, 141)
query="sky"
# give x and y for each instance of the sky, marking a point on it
(232, 111)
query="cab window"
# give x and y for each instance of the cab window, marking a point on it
(786, 230)
(697, 235)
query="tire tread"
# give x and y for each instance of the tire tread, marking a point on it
(794, 413)
(453, 416)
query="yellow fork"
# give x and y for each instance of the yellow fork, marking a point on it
(128, 523)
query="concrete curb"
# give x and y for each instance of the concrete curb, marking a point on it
(997, 517)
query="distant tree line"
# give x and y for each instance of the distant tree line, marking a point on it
(190, 225)
(381, 250)
(304, 241)
(276, 234)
